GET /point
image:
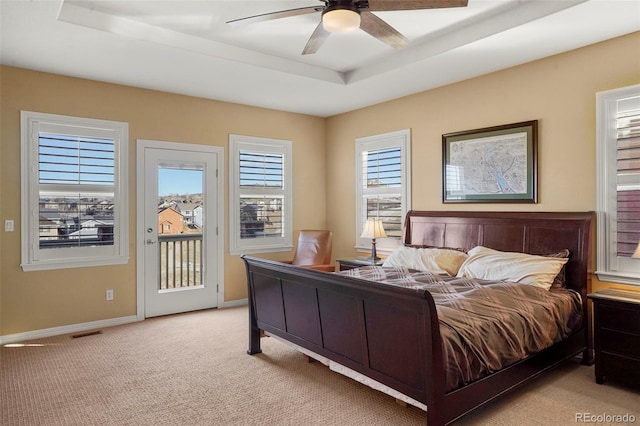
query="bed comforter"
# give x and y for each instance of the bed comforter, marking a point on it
(487, 325)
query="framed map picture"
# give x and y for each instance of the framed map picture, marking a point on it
(492, 165)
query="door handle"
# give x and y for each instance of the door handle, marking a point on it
(150, 241)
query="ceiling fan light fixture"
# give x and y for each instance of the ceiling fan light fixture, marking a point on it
(341, 20)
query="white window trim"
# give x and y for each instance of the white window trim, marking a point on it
(609, 266)
(116, 254)
(401, 138)
(239, 143)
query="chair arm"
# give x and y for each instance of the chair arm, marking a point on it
(326, 268)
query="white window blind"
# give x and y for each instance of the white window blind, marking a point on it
(383, 188)
(260, 190)
(74, 192)
(261, 194)
(383, 185)
(618, 189)
(77, 177)
(628, 176)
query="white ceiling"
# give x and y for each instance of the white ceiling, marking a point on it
(186, 46)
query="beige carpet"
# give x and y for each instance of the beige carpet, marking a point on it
(192, 369)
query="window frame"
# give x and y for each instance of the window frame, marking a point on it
(33, 257)
(610, 267)
(237, 245)
(396, 139)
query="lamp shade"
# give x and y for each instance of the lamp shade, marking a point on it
(636, 254)
(341, 20)
(373, 229)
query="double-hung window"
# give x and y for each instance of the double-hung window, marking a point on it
(383, 185)
(74, 192)
(260, 195)
(618, 189)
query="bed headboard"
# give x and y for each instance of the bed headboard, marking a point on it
(525, 232)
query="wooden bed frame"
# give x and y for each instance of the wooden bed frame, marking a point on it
(391, 334)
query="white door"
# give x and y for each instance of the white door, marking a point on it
(179, 247)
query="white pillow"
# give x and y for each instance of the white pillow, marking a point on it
(488, 264)
(435, 260)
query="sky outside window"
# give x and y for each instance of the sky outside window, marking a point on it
(179, 181)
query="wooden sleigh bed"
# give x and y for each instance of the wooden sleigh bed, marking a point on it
(391, 335)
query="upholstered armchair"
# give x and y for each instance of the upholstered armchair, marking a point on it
(314, 250)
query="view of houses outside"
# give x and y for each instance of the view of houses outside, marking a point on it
(180, 224)
(71, 221)
(180, 227)
(261, 217)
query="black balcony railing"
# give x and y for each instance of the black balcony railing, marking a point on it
(181, 261)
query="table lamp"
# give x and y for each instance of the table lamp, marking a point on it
(373, 229)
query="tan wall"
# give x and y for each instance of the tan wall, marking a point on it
(558, 91)
(39, 300)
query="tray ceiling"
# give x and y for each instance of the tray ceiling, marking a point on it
(187, 47)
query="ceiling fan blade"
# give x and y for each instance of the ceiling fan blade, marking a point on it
(315, 41)
(384, 5)
(274, 15)
(384, 32)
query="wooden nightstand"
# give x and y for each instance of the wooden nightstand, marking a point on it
(616, 333)
(356, 262)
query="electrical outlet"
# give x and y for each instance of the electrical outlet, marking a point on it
(8, 226)
(109, 294)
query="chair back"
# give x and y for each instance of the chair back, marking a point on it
(314, 248)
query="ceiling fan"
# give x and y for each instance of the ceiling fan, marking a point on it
(349, 15)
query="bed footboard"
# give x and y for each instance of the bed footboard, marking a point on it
(388, 334)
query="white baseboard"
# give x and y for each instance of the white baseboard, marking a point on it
(74, 328)
(65, 329)
(234, 303)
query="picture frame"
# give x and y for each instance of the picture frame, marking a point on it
(491, 165)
